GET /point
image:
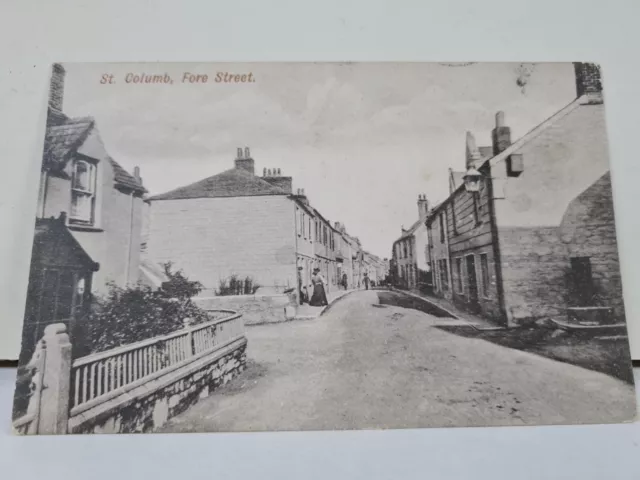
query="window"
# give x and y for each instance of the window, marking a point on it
(304, 223)
(325, 238)
(298, 222)
(484, 271)
(404, 248)
(441, 219)
(83, 193)
(444, 274)
(309, 228)
(410, 247)
(459, 273)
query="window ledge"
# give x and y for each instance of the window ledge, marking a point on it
(84, 228)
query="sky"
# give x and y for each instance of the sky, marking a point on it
(363, 139)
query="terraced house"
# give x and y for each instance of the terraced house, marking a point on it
(530, 233)
(410, 251)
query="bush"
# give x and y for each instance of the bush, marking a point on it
(132, 314)
(234, 285)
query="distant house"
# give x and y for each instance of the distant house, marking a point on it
(410, 251)
(88, 220)
(539, 235)
(237, 222)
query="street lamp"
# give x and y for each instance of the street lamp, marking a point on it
(472, 180)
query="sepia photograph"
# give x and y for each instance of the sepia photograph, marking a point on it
(323, 246)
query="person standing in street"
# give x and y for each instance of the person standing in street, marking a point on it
(344, 281)
(366, 281)
(319, 297)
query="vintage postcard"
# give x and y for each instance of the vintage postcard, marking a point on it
(313, 246)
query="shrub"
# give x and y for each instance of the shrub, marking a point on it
(132, 314)
(234, 285)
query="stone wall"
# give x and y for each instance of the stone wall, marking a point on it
(149, 406)
(255, 309)
(535, 266)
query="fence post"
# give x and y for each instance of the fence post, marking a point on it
(56, 381)
(189, 328)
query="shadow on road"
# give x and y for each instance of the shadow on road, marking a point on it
(398, 299)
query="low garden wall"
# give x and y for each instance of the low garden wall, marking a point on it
(255, 309)
(150, 405)
(132, 388)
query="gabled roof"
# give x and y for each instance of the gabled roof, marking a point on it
(412, 229)
(63, 137)
(230, 183)
(534, 132)
(522, 141)
(125, 179)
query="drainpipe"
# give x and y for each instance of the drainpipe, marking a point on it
(130, 242)
(497, 259)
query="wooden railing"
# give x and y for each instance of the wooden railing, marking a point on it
(99, 376)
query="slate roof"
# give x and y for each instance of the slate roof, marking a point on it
(230, 183)
(125, 179)
(64, 135)
(62, 139)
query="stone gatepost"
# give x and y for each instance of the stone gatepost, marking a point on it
(56, 381)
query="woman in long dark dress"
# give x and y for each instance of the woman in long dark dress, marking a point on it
(319, 297)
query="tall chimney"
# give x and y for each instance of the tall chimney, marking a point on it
(472, 153)
(136, 174)
(56, 89)
(501, 135)
(423, 207)
(588, 81)
(245, 162)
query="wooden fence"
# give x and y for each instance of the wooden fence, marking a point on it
(96, 378)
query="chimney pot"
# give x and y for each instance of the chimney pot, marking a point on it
(278, 171)
(247, 153)
(264, 172)
(239, 155)
(500, 119)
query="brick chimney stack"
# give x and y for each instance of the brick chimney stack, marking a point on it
(56, 89)
(423, 207)
(244, 161)
(588, 81)
(501, 135)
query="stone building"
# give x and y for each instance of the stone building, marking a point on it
(237, 222)
(410, 251)
(538, 236)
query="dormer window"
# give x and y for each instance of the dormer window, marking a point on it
(83, 193)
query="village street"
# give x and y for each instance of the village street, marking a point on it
(368, 362)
